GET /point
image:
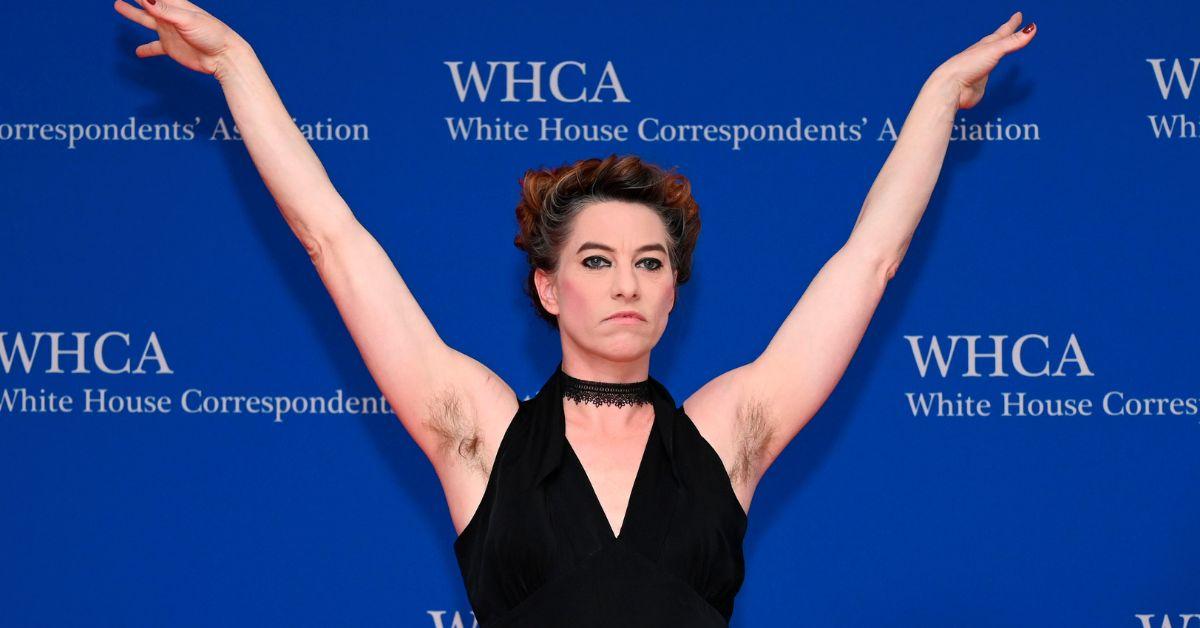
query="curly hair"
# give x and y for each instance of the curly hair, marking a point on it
(552, 197)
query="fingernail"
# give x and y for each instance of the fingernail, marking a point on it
(1026, 30)
(152, 1)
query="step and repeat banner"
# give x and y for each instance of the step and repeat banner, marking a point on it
(189, 437)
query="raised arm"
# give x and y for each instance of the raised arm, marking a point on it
(452, 406)
(755, 410)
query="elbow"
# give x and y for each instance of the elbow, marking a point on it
(317, 242)
(883, 263)
(312, 247)
(888, 268)
(890, 261)
(314, 244)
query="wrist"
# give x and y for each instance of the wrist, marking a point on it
(943, 88)
(233, 59)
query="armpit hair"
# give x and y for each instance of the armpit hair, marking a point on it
(457, 429)
(752, 436)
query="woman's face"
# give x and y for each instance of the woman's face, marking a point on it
(614, 261)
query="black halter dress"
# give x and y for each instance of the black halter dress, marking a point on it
(539, 550)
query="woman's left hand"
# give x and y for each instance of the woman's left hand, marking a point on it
(967, 72)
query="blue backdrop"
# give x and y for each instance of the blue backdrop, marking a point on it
(149, 279)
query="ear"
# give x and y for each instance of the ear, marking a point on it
(546, 291)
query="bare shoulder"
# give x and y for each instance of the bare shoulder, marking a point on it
(467, 412)
(737, 424)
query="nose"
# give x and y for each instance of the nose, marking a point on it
(625, 283)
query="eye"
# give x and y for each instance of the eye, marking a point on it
(590, 258)
(655, 263)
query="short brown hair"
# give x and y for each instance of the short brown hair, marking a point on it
(552, 197)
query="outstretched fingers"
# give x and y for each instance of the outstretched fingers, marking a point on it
(189, 6)
(1015, 40)
(1004, 30)
(135, 14)
(1008, 27)
(161, 10)
(152, 49)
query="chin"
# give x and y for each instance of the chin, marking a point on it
(625, 350)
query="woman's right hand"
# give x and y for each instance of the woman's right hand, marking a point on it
(186, 33)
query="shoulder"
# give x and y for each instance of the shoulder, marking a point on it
(467, 413)
(466, 407)
(735, 424)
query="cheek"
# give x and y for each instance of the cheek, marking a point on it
(666, 299)
(572, 296)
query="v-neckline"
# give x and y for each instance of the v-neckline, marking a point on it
(633, 491)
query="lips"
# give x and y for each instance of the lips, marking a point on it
(626, 315)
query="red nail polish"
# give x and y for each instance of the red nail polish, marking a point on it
(1026, 30)
(153, 1)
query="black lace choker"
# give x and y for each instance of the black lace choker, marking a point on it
(598, 393)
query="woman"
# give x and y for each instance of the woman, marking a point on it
(599, 501)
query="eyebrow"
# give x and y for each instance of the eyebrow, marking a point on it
(605, 247)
